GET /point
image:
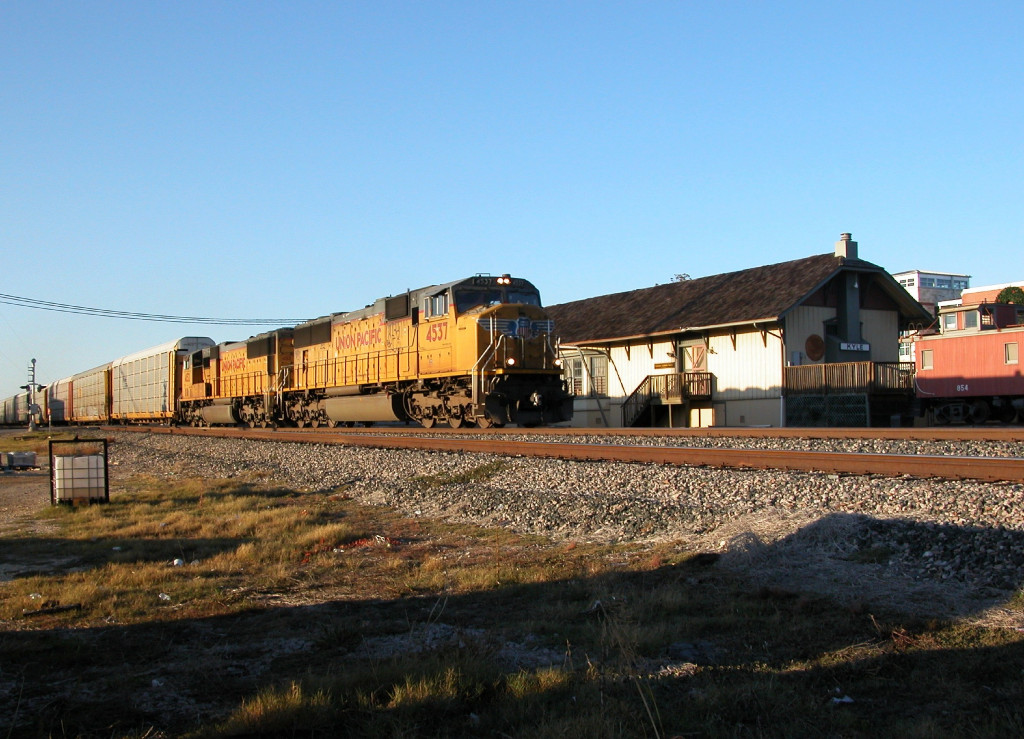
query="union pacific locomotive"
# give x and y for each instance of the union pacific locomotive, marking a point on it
(475, 352)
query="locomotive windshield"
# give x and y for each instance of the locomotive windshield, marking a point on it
(467, 299)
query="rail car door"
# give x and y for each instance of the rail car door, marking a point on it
(436, 335)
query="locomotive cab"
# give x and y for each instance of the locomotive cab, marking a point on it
(516, 376)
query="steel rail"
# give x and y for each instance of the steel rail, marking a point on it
(921, 433)
(989, 469)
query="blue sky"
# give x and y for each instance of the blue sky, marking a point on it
(291, 160)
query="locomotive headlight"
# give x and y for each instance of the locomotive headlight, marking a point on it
(558, 363)
(505, 280)
(511, 361)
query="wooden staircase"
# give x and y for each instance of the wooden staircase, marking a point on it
(677, 388)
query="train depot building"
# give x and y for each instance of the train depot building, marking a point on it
(810, 342)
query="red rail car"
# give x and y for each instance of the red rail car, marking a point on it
(970, 372)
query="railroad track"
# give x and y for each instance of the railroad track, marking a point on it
(991, 469)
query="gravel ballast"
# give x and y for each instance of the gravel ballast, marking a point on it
(942, 547)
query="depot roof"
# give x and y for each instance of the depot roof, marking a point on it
(761, 294)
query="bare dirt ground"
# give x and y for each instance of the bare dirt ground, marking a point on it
(22, 495)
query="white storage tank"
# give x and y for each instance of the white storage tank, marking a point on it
(78, 471)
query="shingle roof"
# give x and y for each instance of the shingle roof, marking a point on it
(760, 293)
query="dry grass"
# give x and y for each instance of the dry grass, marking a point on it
(228, 608)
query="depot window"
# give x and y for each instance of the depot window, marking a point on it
(599, 375)
(587, 375)
(1010, 353)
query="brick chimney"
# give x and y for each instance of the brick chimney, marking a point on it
(846, 247)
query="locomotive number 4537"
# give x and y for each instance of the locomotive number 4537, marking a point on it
(437, 332)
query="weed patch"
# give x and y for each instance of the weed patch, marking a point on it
(223, 608)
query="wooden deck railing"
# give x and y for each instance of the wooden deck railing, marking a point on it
(850, 377)
(671, 388)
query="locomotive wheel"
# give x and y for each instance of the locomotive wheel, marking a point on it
(1006, 413)
(427, 422)
(457, 417)
(980, 411)
(483, 422)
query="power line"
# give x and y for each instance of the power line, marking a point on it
(132, 316)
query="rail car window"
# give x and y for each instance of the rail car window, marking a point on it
(196, 362)
(971, 319)
(468, 299)
(435, 305)
(949, 322)
(926, 359)
(525, 297)
(1010, 352)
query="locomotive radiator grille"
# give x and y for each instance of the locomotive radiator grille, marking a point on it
(522, 328)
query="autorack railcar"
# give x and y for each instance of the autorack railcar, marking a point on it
(14, 410)
(145, 386)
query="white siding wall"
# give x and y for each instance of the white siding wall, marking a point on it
(749, 371)
(801, 324)
(882, 331)
(637, 366)
(750, 413)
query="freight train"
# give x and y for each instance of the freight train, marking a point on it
(969, 372)
(479, 351)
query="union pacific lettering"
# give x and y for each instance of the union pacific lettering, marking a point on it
(356, 337)
(232, 364)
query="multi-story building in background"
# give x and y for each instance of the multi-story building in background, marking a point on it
(931, 288)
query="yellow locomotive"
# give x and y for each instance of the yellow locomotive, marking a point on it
(479, 351)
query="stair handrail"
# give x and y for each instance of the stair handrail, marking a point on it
(637, 402)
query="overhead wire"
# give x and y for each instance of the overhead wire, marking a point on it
(136, 316)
